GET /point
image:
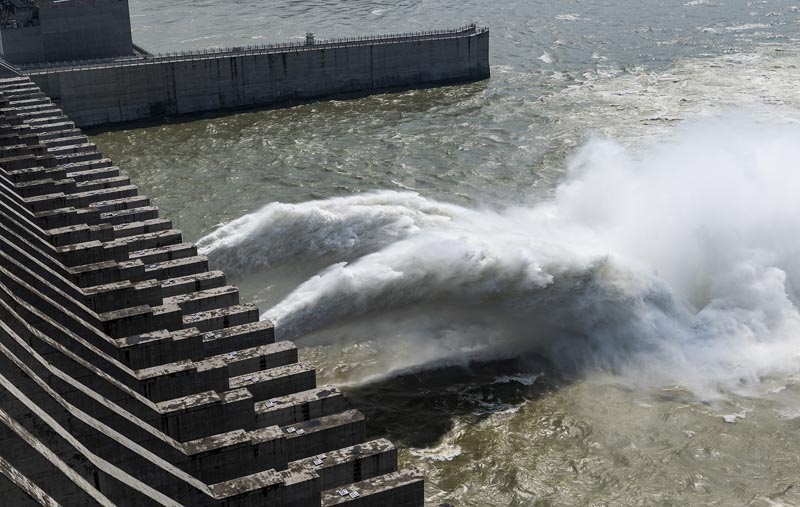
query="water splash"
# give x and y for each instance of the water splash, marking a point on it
(344, 226)
(677, 263)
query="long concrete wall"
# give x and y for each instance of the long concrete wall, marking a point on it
(157, 87)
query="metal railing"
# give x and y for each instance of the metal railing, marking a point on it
(7, 70)
(203, 54)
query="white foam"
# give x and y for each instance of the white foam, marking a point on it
(442, 452)
(684, 249)
(280, 233)
(526, 380)
(678, 263)
(745, 26)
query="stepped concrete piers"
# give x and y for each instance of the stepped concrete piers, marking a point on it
(131, 374)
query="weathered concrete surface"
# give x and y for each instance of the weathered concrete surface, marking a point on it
(97, 94)
(71, 30)
(130, 375)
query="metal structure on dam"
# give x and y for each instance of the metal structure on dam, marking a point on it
(130, 373)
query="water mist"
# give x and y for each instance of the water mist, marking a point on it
(676, 262)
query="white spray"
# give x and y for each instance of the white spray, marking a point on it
(676, 264)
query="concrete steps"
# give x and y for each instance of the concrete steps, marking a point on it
(121, 203)
(192, 283)
(300, 407)
(98, 173)
(62, 140)
(397, 489)
(142, 227)
(129, 372)
(343, 467)
(184, 265)
(127, 216)
(47, 137)
(31, 102)
(54, 126)
(152, 256)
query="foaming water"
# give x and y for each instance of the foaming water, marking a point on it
(672, 264)
(344, 226)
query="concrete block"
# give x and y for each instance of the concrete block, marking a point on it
(205, 300)
(398, 489)
(192, 283)
(213, 320)
(324, 434)
(275, 382)
(160, 347)
(240, 337)
(130, 215)
(300, 406)
(348, 465)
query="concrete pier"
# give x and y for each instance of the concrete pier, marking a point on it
(130, 374)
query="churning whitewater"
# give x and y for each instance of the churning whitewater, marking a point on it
(673, 263)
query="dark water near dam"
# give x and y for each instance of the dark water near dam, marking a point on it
(576, 283)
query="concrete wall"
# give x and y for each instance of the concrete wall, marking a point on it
(72, 30)
(22, 44)
(159, 88)
(83, 29)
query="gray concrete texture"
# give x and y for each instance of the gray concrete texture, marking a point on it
(71, 30)
(130, 374)
(162, 87)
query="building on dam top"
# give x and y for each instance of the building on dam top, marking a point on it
(82, 55)
(37, 31)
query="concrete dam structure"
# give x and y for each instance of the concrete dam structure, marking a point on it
(152, 87)
(52, 31)
(81, 54)
(130, 373)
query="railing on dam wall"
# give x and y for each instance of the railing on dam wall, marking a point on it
(7, 70)
(55, 67)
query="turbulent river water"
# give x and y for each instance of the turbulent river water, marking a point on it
(573, 284)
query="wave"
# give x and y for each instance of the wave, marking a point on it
(344, 226)
(674, 263)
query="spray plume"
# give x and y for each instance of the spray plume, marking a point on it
(677, 263)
